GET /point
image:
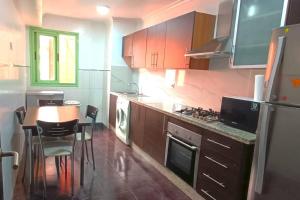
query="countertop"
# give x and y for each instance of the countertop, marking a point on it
(168, 109)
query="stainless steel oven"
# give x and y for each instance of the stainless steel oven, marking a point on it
(182, 153)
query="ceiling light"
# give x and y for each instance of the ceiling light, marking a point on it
(103, 10)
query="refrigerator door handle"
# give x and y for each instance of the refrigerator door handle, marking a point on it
(262, 150)
(270, 96)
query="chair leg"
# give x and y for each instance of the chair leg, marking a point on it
(72, 173)
(66, 166)
(44, 176)
(57, 165)
(60, 161)
(87, 152)
(92, 150)
(38, 160)
(25, 161)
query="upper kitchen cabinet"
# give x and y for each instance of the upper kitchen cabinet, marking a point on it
(156, 40)
(186, 33)
(127, 45)
(255, 21)
(293, 14)
(139, 45)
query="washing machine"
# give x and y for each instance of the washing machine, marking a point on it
(123, 119)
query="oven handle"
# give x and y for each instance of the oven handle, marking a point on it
(183, 143)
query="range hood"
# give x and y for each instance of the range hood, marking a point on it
(221, 45)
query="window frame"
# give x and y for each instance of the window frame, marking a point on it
(34, 48)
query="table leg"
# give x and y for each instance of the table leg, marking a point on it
(82, 157)
(30, 170)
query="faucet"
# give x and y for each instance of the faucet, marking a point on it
(137, 91)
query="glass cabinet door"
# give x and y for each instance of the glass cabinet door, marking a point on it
(254, 24)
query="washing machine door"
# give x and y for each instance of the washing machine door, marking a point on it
(122, 120)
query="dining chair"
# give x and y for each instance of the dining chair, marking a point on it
(50, 102)
(91, 112)
(63, 146)
(21, 113)
(55, 102)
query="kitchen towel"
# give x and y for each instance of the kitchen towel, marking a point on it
(259, 87)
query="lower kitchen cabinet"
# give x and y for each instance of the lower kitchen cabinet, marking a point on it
(147, 131)
(112, 110)
(224, 163)
(154, 135)
(137, 124)
(224, 168)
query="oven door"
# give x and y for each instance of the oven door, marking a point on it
(183, 159)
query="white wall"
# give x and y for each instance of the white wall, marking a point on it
(12, 87)
(179, 8)
(121, 74)
(92, 39)
(93, 62)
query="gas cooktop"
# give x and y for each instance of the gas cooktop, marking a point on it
(199, 113)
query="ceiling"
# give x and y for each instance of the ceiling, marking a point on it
(119, 8)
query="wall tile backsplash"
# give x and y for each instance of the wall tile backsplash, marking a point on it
(198, 87)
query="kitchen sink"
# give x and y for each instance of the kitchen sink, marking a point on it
(133, 94)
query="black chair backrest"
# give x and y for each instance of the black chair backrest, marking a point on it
(50, 102)
(91, 112)
(20, 112)
(57, 129)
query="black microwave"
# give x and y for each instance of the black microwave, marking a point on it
(240, 113)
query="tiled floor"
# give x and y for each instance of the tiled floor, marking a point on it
(120, 174)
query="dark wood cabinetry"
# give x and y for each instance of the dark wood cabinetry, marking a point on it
(154, 135)
(127, 49)
(186, 33)
(156, 46)
(137, 124)
(139, 45)
(224, 168)
(112, 110)
(147, 131)
(127, 45)
(164, 45)
(224, 165)
(293, 14)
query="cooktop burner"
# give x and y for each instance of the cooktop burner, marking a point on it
(200, 113)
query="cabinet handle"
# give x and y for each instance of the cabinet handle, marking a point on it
(218, 163)
(193, 148)
(156, 60)
(152, 60)
(214, 180)
(217, 143)
(132, 61)
(207, 194)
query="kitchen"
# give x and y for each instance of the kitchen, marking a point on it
(138, 65)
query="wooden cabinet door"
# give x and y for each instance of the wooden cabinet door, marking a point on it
(127, 45)
(156, 46)
(137, 121)
(139, 45)
(293, 14)
(112, 110)
(154, 136)
(178, 41)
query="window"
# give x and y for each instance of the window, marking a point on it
(54, 57)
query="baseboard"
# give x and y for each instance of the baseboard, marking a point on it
(112, 128)
(183, 186)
